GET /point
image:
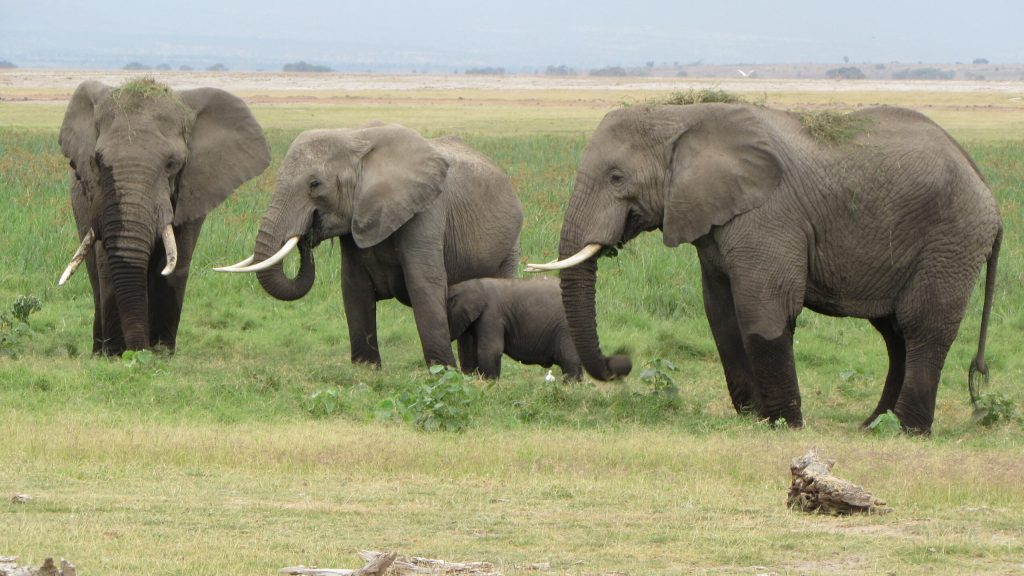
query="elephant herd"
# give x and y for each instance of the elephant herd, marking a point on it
(893, 225)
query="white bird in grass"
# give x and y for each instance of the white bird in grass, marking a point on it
(550, 377)
(744, 74)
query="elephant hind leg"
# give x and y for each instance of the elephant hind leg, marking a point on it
(929, 315)
(896, 346)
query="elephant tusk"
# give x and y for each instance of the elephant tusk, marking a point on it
(171, 248)
(241, 264)
(273, 260)
(80, 254)
(581, 256)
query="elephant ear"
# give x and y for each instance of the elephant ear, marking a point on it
(79, 132)
(466, 301)
(720, 167)
(226, 148)
(401, 175)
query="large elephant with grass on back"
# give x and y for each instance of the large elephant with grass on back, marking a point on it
(147, 165)
(414, 216)
(878, 214)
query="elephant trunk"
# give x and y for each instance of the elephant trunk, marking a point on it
(273, 279)
(578, 294)
(128, 230)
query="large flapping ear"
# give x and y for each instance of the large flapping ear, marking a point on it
(226, 148)
(466, 302)
(401, 175)
(721, 166)
(79, 132)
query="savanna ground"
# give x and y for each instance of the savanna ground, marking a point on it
(259, 445)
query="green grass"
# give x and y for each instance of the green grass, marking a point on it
(213, 462)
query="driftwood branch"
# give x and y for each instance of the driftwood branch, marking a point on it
(815, 489)
(375, 566)
(9, 567)
(379, 563)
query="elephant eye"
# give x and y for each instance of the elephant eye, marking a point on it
(314, 184)
(617, 178)
(171, 165)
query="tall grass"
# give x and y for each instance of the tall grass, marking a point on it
(209, 462)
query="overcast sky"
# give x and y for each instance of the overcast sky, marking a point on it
(524, 34)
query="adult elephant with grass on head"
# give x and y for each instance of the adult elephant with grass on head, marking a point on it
(147, 164)
(414, 216)
(887, 220)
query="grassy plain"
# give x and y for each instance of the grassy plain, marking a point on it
(212, 461)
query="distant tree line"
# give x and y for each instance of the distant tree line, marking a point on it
(6, 64)
(486, 71)
(846, 73)
(163, 67)
(923, 74)
(303, 66)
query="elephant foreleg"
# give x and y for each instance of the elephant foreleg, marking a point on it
(167, 293)
(360, 300)
(896, 346)
(467, 352)
(721, 313)
(111, 337)
(490, 337)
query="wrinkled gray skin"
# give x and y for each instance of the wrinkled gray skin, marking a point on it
(893, 226)
(136, 166)
(414, 216)
(522, 318)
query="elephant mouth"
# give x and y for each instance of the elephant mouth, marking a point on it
(636, 224)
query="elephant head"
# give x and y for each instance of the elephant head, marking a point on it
(681, 169)
(146, 159)
(364, 183)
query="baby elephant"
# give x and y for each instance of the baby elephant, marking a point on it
(521, 318)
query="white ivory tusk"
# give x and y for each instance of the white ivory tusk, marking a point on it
(581, 256)
(171, 248)
(241, 264)
(80, 254)
(288, 247)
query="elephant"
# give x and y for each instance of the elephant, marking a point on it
(413, 216)
(891, 224)
(521, 318)
(147, 164)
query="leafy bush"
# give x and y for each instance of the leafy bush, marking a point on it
(993, 408)
(657, 375)
(14, 324)
(887, 424)
(441, 405)
(324, 403)
(561, 70)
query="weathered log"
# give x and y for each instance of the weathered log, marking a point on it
(415, 565)
(9, 567)
(379, 563)
(815, 489)
(375, 566)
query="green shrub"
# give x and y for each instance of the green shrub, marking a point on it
(887, 424)
(442, 405)
(993, 408)
(14, 324)
(658, 377)
(324, 403)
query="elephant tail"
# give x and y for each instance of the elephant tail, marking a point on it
(979, 371)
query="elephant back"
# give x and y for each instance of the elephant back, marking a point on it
(483, 215)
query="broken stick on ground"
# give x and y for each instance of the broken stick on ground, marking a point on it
(815, 489)
(379, 563)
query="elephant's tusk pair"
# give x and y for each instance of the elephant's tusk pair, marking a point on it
(241, 264)
(171, 249)
(80, 254)
(273, 260)
(581, 256)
